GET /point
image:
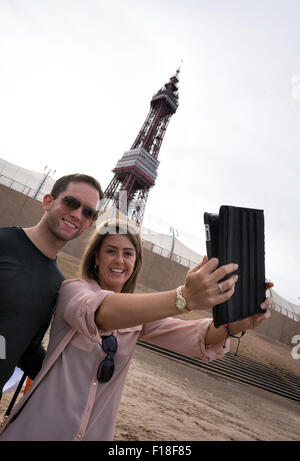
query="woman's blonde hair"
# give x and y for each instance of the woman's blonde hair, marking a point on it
(88, 268)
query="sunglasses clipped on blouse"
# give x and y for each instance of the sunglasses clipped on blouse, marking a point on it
(107, 366)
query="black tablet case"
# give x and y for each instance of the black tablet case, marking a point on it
(236, 235)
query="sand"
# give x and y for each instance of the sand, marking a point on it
(167, 400)
(170, 401)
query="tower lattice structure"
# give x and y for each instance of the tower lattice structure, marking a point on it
(136, 172)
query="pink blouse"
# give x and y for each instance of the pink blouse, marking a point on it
(66, 401)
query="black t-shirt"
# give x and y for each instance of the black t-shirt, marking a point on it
(29, 284)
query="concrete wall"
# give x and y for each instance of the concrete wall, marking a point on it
(158, 273)
(17, 209)
(280, 327)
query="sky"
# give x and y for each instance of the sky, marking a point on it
(77, 77)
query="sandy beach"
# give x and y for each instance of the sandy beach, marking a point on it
(166, 400)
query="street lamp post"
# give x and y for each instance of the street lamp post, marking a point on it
(43, 181)
(173, 231)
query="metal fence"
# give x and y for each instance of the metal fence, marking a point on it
(16, 185)
(169, 254)
(284, 311)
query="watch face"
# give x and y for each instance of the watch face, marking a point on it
(181, 303)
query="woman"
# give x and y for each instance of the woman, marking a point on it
(97, 323)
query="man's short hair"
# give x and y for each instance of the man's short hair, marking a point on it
(61, 184)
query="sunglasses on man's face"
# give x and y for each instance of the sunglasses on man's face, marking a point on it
(107, 366)
(73, 204)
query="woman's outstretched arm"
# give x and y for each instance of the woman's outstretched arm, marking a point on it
(122, 310)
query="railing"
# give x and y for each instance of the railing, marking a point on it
(23, 188)
(284, 311)
(168, 254)
(17, 185)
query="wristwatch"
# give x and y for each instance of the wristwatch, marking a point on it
(181, 303)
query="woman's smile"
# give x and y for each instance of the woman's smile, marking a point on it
(116, 261)
(118, 271)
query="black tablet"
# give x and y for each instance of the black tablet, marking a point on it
(236, 235)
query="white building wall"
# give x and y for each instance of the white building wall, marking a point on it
(24, 180)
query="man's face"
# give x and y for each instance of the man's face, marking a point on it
(64, 222)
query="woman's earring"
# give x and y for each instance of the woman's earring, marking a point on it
(96, 267)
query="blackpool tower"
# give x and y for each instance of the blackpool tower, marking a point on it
(136, 172)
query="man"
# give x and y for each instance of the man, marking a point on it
(29, 276)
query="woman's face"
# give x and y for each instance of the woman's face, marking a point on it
(116, 260)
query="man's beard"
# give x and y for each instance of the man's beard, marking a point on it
(53, 227)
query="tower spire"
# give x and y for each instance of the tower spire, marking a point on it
(136, 172)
